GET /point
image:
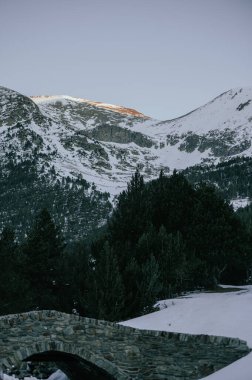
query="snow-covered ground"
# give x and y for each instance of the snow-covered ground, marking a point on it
(225, 314)
(240, 203)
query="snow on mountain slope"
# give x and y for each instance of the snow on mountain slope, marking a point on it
(230, 109)
(94, 140)
(223, 314)
(217, 131)
(15, 107)
(115, 108)
(104, 144)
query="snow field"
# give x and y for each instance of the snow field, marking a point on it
(225, 314)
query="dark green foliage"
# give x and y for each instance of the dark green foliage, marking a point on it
(128, 219)
(217, 238)
(245, 214)
(26, 189)
(43, 252)
(163, 238)
(170, 202)
(172, 259)
(108, 286)
(149, 284)
(169, 237)
(76, 280)
(13, 287)
(233, 178)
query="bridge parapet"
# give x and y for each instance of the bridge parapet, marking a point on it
(122, 352)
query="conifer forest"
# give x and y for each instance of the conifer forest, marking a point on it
(162, 239)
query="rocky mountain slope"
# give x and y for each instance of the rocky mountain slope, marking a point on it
(74, 155)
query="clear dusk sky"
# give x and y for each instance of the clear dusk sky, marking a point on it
(162, 57)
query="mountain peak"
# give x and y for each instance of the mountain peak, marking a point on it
(110, 107)
(63, 145)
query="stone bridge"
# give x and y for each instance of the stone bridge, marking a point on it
(86, 348)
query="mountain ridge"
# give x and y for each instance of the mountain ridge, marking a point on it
(86, 136)
(115, 108)
(80, 144)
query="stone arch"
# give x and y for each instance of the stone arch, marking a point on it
(43, 347)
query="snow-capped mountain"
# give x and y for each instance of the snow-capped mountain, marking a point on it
(105, 143)
(77, 141)
(95, 140)
(116, 141)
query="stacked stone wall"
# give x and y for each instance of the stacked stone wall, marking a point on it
(123, 352)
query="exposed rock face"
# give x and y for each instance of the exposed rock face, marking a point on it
(15, 108)
(115, 134)
(221, 143)
(84, 346)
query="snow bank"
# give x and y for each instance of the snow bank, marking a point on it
(224, 314)
(58, 375)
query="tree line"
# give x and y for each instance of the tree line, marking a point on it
(233, 178)
(163, 238)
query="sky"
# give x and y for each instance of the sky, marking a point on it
(161, 57)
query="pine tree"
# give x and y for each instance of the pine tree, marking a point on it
(170, 236)
(13, 288)
(172, 261)
(170, 202)
(149, 285)
(217, 238)
(109, 286)
(146, 245)
(43, 250)
(133, 298)
(128, 219)
(77, 280)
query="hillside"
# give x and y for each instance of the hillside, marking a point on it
(74, 155)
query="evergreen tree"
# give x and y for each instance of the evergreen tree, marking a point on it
(133, 298)
(109, 286)
(43, 251)
(77, 280)
(146, 245)
(128, 219)
(217, 238)
(149, 285)
(170, 201)
(172, 261)
(13, 288)
(168, 237)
